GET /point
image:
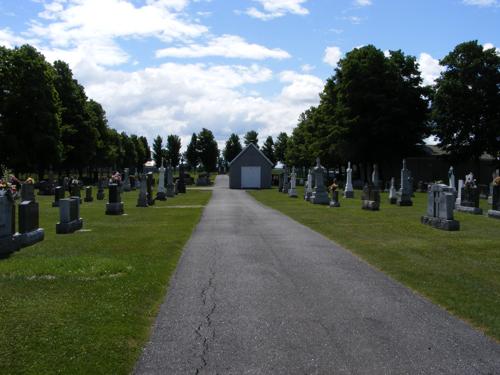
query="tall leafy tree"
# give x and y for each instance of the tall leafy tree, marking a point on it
(158, 152)
(78, 135)
(97, 119)
(173, 149)
(30, 111)
(268, 149)
(280, 147)
(129, 151)
(147, 150)
(252, 137)
(233, 147)
(380, 106)
(192, 156)
(466, 103)
(140, 151)
(208, 150)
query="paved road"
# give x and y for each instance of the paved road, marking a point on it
(258, 293)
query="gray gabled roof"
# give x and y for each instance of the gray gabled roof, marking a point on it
(257, 149)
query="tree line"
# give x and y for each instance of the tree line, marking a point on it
(48, 122)
(375, 109)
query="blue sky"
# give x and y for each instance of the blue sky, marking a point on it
(175, 66)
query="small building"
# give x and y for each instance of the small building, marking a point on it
(250, 169)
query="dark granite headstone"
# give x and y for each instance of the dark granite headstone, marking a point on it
(28, 192)
(181, 184)
(7, 224)
(495, 202)
(150, 183)
(58, 195)
(114, 205)
(370, 199)
(75, 191)
(29, 232)
(69, 216)
(88, 194)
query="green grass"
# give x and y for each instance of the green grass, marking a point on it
(457, 270)
(84, 303)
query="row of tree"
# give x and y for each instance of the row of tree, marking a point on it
(47, 120)
(375, 108)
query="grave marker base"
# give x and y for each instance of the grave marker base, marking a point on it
(443, 224)
(349, 194)
(114, 208)
(494, 214)
(370, 205)
(30, 238)
(72, 226)
(470, 210)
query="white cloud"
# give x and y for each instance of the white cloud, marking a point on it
(481, 3)
(230, 46)
(10, 40)
(77, 20)
(430, 68)
(332, 56)
(183, 98)
(355, 20)
(363, 3)
(307, 68)
(277, 8)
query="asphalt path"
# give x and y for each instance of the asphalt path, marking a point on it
(258, 293)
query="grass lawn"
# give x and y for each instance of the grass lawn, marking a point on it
(457, 270)
(84, 303)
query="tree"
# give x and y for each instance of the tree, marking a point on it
(98, 121)
(252, 137)
(158, 152)
(233, 148)
(141, 153)
(280, 147)
(466, 102)
(192, 156)
(208, 150)
(173, 149)
(268, 149)
(30, 116)
(129, 151)
(147, 155)
(379, 106)
(79, 137)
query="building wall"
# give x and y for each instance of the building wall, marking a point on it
(251, 158)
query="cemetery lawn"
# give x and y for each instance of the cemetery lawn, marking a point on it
(457, 270)
(84, 303)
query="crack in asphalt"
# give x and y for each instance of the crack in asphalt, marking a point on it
(205, 332)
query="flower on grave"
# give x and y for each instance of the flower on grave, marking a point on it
(116, 178)
(29, 180)
(496, 181)
(333, 186)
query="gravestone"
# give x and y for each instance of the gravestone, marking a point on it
(150, 183)
(88, 194)
(137, 181)
(440, 203)
(181, 183)
(349, 190)
(203, 179)
(59, 194)
(132, 183)
(8, 244)
(28, 192)
(392, 192)
(114, 205)
(451, 179)
(404, 194)
(494, 175)
(422, 187)
(142, 200)
(495, 200)
(285, 180)
(309, 186)
(161, 194)
(126, 181)
(319, 195)
(29, 232)
(370, 199)
(280, 182)
(170, 181)
(292, 192)
(100, 189)
(75, 191)
(469, 197)
(459, 193)
(69, 216)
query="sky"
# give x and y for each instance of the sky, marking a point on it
(163, 67)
